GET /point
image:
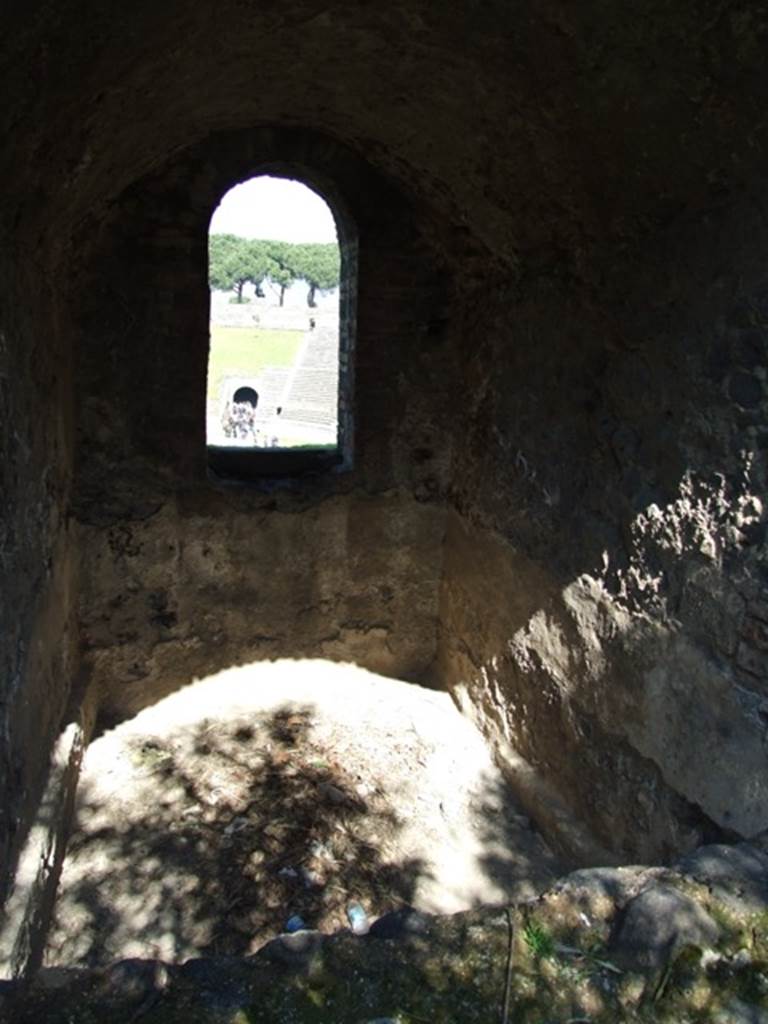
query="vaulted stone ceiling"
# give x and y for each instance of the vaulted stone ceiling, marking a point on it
(544, 129)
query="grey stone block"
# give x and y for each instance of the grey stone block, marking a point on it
(659, 922)
(737, 1012)
(737, 875)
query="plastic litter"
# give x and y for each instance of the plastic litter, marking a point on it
(358, 919)
(295, 923)
(321, 851)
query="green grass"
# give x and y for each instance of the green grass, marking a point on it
(247, 350)
(538, 940)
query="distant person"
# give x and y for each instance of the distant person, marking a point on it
(239, 421)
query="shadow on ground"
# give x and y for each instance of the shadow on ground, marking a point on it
(231, 837)
(232, 825)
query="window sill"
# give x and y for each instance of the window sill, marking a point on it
(249, 464)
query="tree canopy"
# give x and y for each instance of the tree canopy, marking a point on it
(235, 261)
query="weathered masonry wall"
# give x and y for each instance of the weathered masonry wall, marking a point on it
(38, 631)
(603, 600)
(183, 576)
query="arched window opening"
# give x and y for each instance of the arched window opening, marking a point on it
(246, 396)
(280, 332)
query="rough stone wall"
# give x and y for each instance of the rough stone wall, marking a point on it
(38, 633)
(602, 601)
(183, 576)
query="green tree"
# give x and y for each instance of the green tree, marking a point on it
(318, 264)
(282, 278)
(228, 264)
(259, 264)
(281, 272)
(234, 261)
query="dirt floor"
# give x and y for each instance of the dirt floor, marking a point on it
(290, 788)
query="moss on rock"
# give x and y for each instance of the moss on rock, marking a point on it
(550, 959)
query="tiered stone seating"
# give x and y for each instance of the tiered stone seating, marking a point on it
(312, 393)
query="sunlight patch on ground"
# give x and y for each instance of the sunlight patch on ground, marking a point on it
(291, 787)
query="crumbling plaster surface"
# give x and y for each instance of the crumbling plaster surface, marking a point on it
(603, 597)
(201, 585)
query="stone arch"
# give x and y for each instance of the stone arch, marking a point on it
(159, 226)
(246, 394)
(254, 464)
(155, 434)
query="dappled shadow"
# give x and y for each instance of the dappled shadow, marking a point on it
(202, 832)
(524, 966)
(222, 832)
(513, 854)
